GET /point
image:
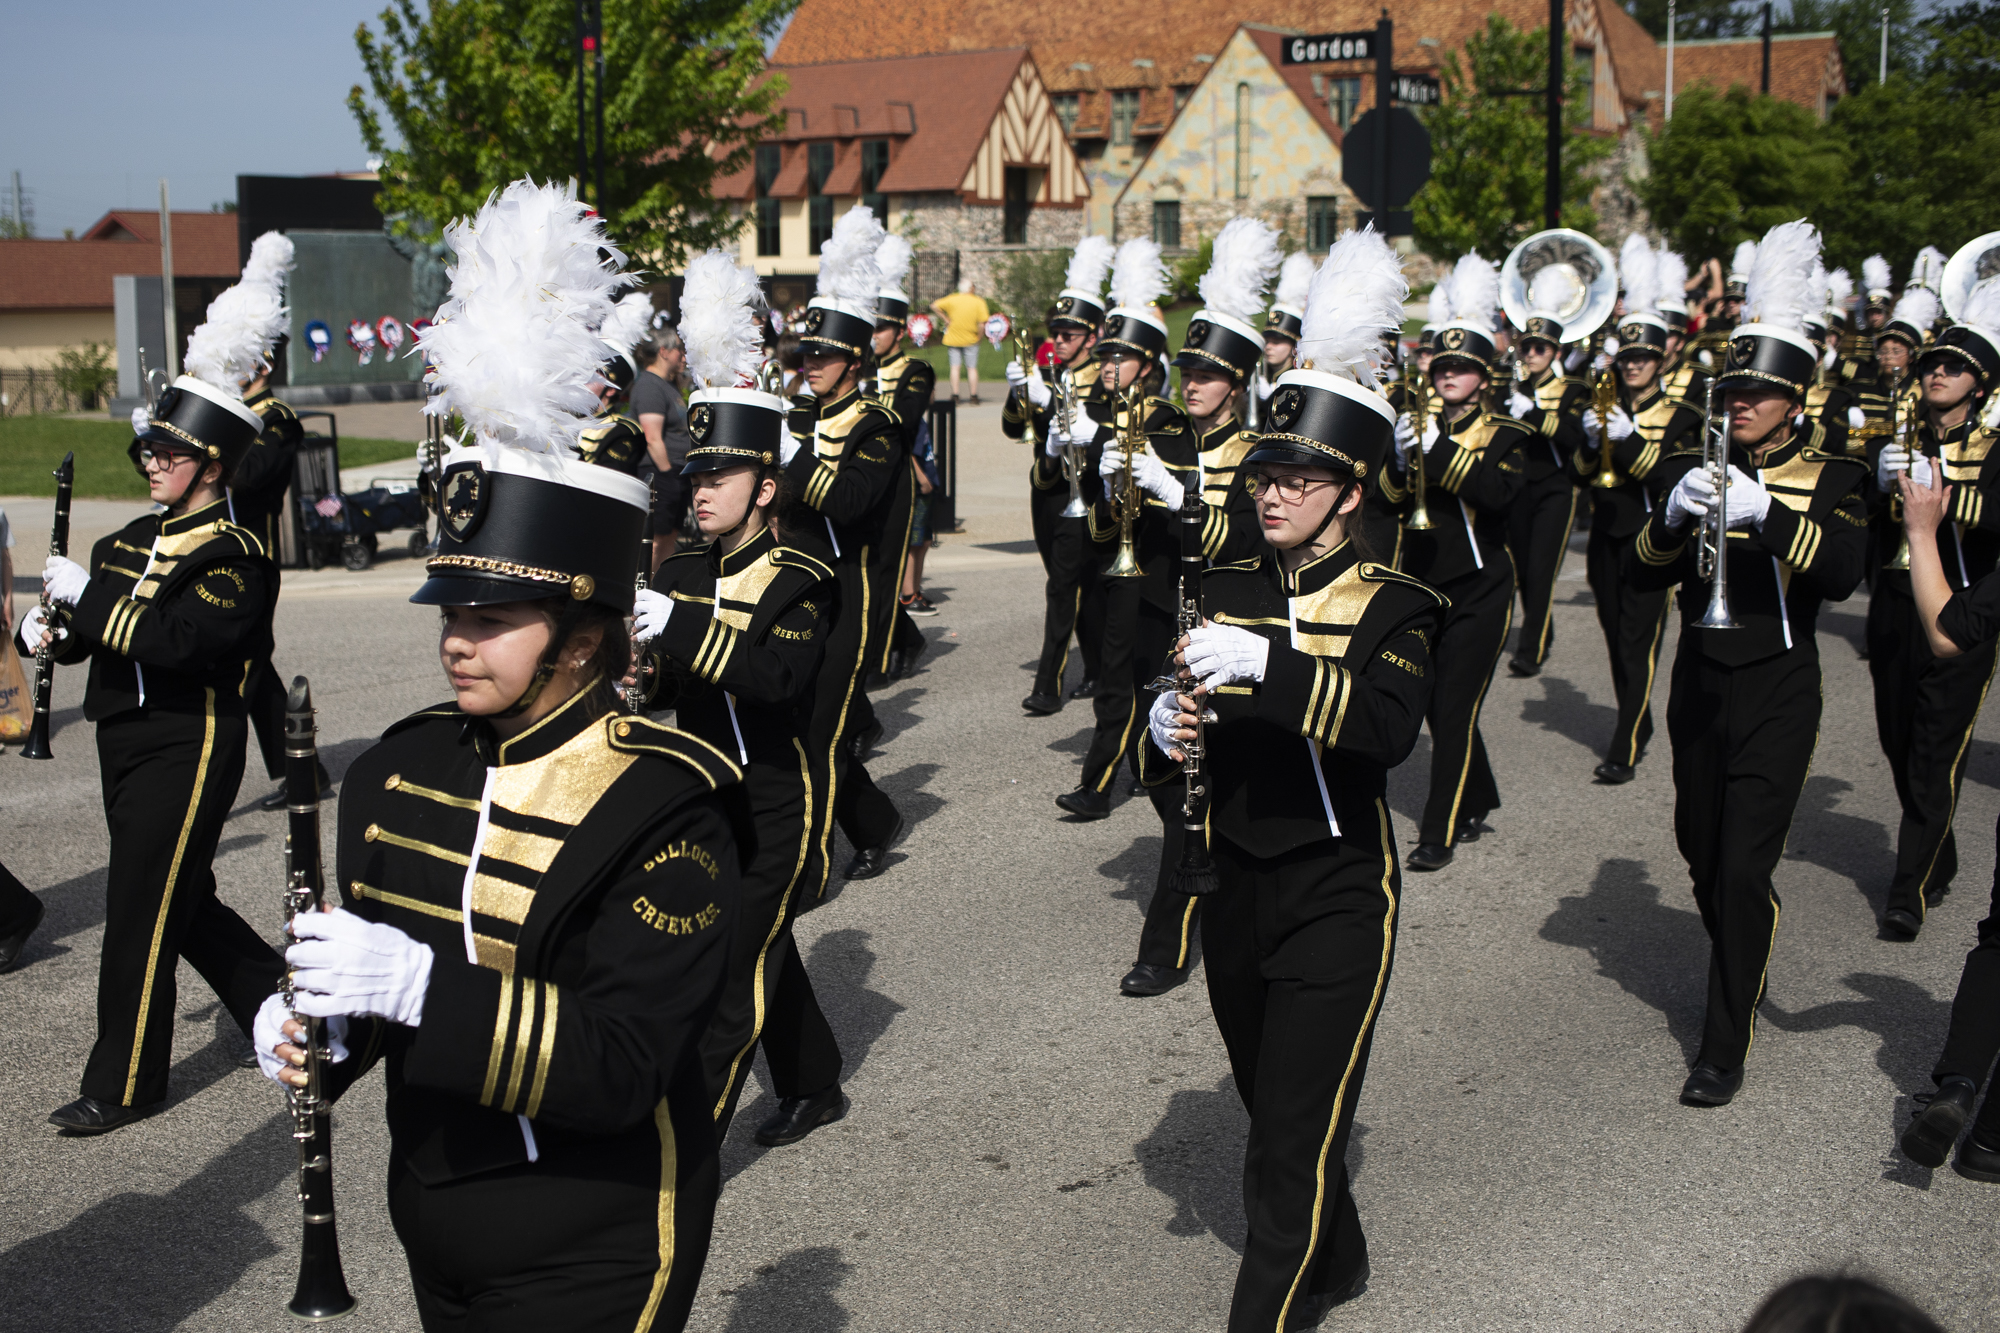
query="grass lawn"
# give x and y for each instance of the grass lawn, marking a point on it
(31, 447)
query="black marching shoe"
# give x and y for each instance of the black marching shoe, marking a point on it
(861, 742)
(1710, 1086)
(1085, 803)
(1470, 827)
(1976, 1161)
(1084, 689)
(1147, 979)
(16, 940)
(1900, 923)
(87, 1116)
(1430, 856)
(1615, 775)
(869, 862)
(800, 1116)
(1042, 705)
(1318, 1305)
(276, 800)
(1521, 666)
(1929, 1139)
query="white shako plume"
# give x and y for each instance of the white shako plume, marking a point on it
(1839, 292)
(1780, 291)
(234, 342)
(1475, 291)
(1088, 265)
(848, 272)
(1295, 277)
(1916, 307)
(1440, 301)
(1355, 302)
(892, 260)
(1552, 288)
(1639, 272)
(1671, 273)
(1928, 268)
(1245, 256)
(1876, 281)
(1138, 278)
(515, 349)
(1743, 261)
(719, 325)
(628, 325)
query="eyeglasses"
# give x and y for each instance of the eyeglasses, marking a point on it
(1290, 489)
(165, 459)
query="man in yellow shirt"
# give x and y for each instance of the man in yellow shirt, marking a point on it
(965, 314)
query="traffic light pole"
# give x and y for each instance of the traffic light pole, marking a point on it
(1385, 76)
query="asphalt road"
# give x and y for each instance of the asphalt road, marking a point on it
(1030, 1151)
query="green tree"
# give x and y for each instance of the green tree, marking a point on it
(1487, 149)
(1965, 49)
(480, 92)
(1730, 166)
(1693, 18)
(85, 373)
(1025, 285)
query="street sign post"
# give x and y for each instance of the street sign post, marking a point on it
(1386, 153)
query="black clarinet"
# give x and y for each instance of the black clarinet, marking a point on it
(322, 1291)
(1195, 875)
(45, 658)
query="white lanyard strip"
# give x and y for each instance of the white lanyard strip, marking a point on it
(1312, 746)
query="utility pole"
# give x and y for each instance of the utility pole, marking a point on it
(1552, 198)
(1670, 58)
(1385, 85)
(1767, 48)
(597, 41)
(1881, 70)
(20, 214)
(167, 312)
(583, 44)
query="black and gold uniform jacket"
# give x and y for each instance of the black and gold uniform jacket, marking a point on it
(907, 386)
(1857, 358)
(176, 613)
(1809, 550)
(1880, 400)
(1662, 425)
(577, 885)
(1827, 403)
(852, 473)
(1156, 529)
(1711, 342)
(744, 642)
(1557, 417)
(1018, 420)
(264, 474)
(1308, 749)
(616, 442)
(1969, 544)
(1472, 473)
(1230, 528)
(1685, 379)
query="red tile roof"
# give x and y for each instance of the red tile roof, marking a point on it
(72, 275)
(1805, 67)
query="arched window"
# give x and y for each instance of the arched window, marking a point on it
(1242, 141)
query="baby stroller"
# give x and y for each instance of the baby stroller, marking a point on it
(361, 516)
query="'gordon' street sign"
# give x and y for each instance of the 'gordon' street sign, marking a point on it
(1329, 46)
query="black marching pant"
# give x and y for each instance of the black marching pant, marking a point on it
(264, 701)
(1537, 537)
(841, 708)
(1973, 1039)
(18, 903)
(1298, 951)
(1925, 708)
(768, 996)
(1633, 623)
(606, 1238)
(1467, 650)
(1137, 635)
(1743, 741)
(1075, 595)
(169, 779)
(1172, 917)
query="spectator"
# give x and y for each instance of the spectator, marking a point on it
(660, 411)
(792, 360)
(923, 462)
(6, 574)
(1838, 1304)
(965, 315)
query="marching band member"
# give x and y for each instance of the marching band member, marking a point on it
(1314, 661)
(906, 385)
(1074, 591)
(1744, 712)
(1878, 300)
(1828, 401)
(1716, 331)
(613, 439)
(1281, 327)
(1217, 361)
(1472, 473)
(539, 889)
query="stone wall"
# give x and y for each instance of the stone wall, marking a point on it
(940, 222)
(1619, 212)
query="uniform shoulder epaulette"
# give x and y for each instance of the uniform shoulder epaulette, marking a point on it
(882, 405)
(683, 555)
(1818, 455)
(1374, 573)
(431, 714)
(797, 559)
(639, 735)
(1249, 566)
(275, 406)
(245, 538)
(1501, 418)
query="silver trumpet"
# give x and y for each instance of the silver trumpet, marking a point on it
(1075, 455)
(1711, 558)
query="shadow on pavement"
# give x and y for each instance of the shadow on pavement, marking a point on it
(1568, 711)
(141, 1262)
(1848, 845)
(77, 905)
(1194, 1156)
(840, 964)
(795, 1294)
(1656, 953)
(1137, 868)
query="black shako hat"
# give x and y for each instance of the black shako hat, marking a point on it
(520, 526)
(837, 326)
(1976, 346)
(1642, 334)
(1767, 354)
(1284, 321)
(733, 428)
(1465, 342)
(1216, 341)
(1545, 327)
(1320, 420)
(193, 416)
(1129, 330)
(1076, 309)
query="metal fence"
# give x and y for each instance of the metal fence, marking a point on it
(28, 392)
(935, 274)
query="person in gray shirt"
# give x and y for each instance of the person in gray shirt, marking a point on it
(661, 412)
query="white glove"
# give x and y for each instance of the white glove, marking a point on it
(1163, 721)
(1519, 404)
(65, 579)
(1895, 458)
(267, 1033)
(1856, 418)
(1692, 497)
(649, 614)
(1406, 439)
(1057, 441)
(1748, 500)
(345, 965)
(1030, 383)
(1265, 388)
(1111, 462)
(788, 448)
(32, 625)
(1223, 654)
(1621, 427)
(1156, 481)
